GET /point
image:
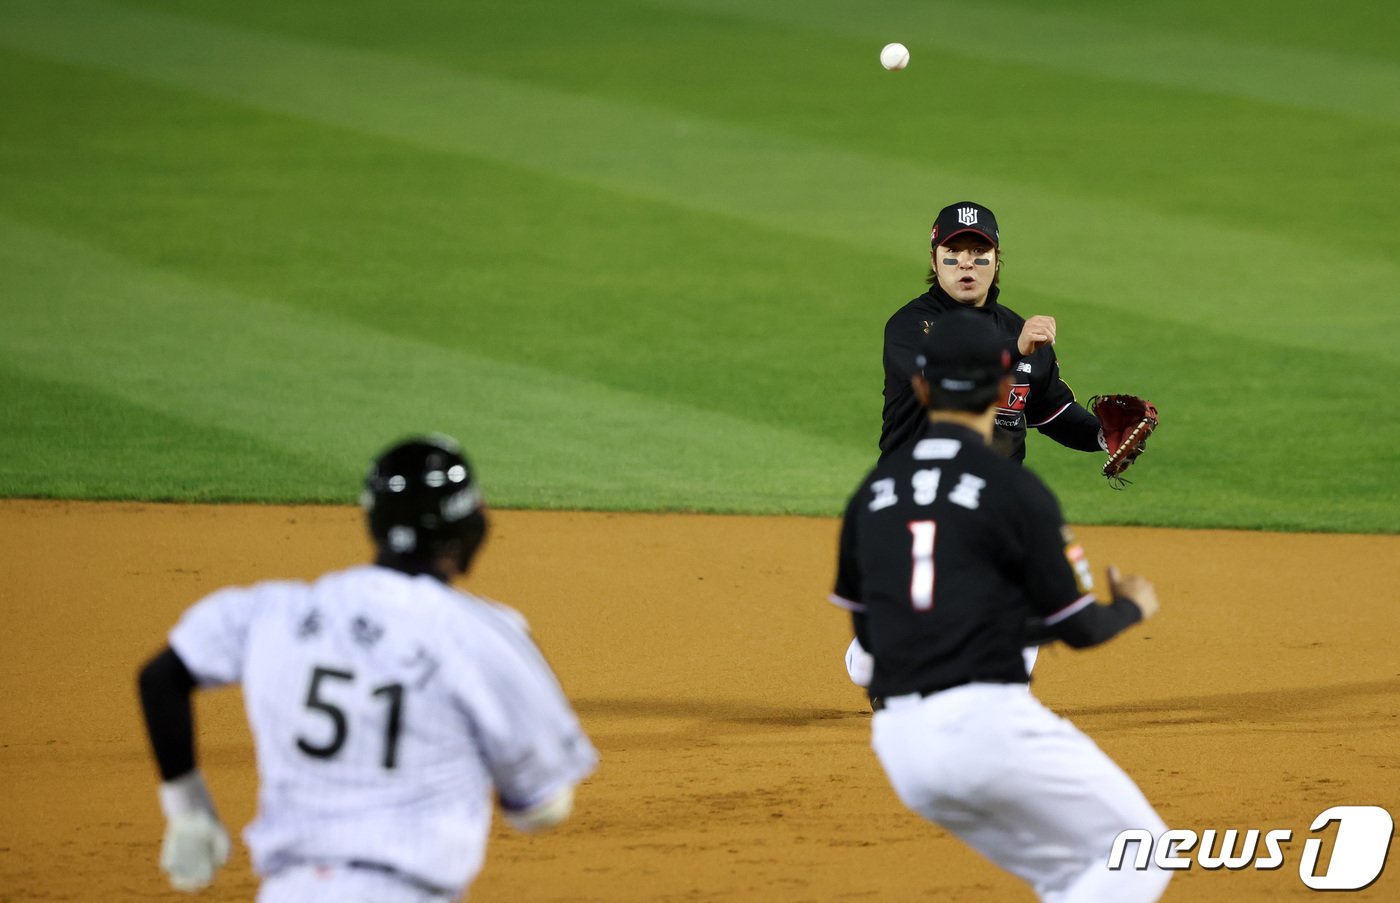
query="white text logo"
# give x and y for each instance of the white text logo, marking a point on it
(1358, 853)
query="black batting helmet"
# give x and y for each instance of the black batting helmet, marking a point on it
(420, 496)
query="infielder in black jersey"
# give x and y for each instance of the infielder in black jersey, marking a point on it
(951, 558)
(964, 274)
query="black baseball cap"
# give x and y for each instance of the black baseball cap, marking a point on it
(964, 216)
(962, 353)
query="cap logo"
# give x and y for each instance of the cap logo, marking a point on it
(967, 216)
(402, 539)
(459, 504)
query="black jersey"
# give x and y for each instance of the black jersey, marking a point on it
(1038, 398)
(948, 551)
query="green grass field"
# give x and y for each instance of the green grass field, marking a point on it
(638, 255)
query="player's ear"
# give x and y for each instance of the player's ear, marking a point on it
(921, 388)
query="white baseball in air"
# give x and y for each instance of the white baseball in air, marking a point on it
(894, 56)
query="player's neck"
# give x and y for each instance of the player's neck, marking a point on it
(981, 424)
(439, 568)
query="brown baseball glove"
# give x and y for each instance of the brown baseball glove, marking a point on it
(1125, 422)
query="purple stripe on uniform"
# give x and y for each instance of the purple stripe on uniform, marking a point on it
(1070, 610)
(842, 602)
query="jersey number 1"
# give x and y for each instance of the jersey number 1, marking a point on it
(921, 580)
(392, 693)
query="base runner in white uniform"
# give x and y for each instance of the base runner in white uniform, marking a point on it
(390, 712)
(951, 558)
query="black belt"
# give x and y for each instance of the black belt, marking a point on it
(413, 881)
(877, 703)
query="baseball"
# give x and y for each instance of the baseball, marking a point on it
(894, 56)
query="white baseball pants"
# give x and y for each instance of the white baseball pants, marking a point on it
(332, 884)
(1020, 785)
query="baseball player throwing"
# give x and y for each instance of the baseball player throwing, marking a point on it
(388, 710)
(950, 556)
(965, 275)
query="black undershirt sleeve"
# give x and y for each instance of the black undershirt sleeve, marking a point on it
(1095, 623)
(1076, 427)
(165, 685)
(848, 576)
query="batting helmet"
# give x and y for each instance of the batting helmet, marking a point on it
(420, 497)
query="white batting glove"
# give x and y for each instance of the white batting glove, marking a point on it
(545, 815)
(196, 844)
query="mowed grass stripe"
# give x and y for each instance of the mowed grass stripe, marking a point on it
(79, 441)
(451, 250)
(1252, 435)
(1092, 42)
(1352, 29)
(184, 188)
(320, 388)
(1239, 164)
(787, 184)
(305, 397)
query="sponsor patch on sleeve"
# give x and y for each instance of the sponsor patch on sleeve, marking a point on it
(1078, 562)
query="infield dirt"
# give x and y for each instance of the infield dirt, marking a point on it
(707, 667)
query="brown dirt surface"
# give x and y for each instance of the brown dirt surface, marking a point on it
(707, 667)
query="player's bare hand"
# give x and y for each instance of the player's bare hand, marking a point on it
(1135, 587)
(1038, 331)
